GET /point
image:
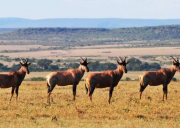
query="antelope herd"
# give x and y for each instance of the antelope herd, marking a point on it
(109, 78)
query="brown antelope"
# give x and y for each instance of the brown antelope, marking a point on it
(14, 78)
(109, 78)
(162, 76)
(68, 77)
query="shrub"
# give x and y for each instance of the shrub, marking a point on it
(174, 79)
(38, 79)
(127, 79)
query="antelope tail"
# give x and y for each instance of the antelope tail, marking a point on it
(141, 79)
(86, 84)
(86, 88)
(48, 87)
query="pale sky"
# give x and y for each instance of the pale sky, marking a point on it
(136, 9)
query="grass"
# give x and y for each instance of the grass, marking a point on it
(125, 110)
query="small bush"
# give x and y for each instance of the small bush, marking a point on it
(127, 79)
(174, 79)
(38, 79)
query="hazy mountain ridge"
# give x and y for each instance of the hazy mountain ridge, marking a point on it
(84, 23)
(92, 36)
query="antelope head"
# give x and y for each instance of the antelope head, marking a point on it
(175, 64)
(84, 64)
(24, 65)
(122, 63)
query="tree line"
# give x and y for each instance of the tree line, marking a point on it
(47, 65)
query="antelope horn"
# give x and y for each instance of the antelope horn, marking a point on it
(85, 58)
(177, 59)
(173, 58)
(26, 60)
(119, 58)
(81, 58)
(22, 61)
(124, 58)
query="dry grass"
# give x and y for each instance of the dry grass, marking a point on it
(125, 110)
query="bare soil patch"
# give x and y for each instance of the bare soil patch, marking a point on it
(106, 52)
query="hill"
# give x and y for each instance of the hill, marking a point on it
(84, 23)
(91, 36)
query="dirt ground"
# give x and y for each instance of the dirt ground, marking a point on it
(102, 53)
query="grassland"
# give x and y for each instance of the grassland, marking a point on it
(125, 110)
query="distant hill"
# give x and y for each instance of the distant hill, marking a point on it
(91, 36)
(7, 30)
(84, 23)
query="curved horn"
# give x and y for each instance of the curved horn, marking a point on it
(21, 61)
(119, 58)
(173, 58)
(81, 58)
(26, 60)
(177, 60)
(124, 58)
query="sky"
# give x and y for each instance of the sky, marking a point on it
(131, 9)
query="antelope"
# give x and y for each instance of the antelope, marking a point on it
(108, 78)
(14, 78)
(162, 76)
(68, 77)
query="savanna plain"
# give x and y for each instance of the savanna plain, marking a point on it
(125, 110)
(149, 44)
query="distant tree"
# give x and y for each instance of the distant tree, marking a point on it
(35, 68)
(44, 63)
(15, 67)
(58, 60)
(53, 67)
(134, 64)
(96, 66)
(73, 65)
(1, 65)
(137, 65)
(154, 66)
